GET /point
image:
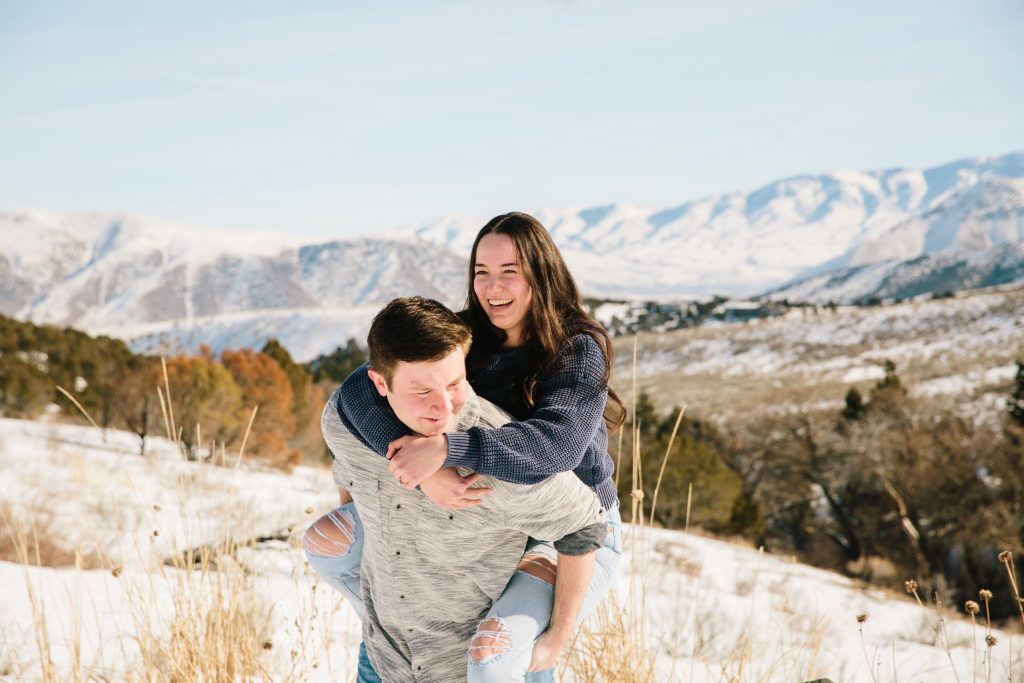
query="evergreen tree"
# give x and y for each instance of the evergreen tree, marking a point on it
(338, 364)
(717, 503)
(854, 407)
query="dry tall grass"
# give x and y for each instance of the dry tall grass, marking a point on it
(201, 615)
(204, 615)
(218, 627)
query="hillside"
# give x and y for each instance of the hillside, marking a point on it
(959, 350)
(710, 610)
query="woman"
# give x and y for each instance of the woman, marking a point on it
(540, 356)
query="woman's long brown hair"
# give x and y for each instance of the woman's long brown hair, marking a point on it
(555, 315)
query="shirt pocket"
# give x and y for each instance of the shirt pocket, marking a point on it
(459, 539)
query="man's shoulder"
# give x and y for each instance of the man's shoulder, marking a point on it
(336, 433)
(479, 412)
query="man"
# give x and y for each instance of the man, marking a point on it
(430, 575)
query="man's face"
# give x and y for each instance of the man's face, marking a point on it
(427, 396)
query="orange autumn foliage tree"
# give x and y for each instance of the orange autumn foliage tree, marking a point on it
(265, 384)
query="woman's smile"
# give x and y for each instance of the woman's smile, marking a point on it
(501, 287)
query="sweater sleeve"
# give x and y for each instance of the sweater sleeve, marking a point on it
(568, 412)
(367, 414)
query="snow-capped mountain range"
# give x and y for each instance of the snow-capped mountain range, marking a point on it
(840, 236)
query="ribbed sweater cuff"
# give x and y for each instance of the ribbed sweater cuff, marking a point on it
(461, 452)
(607, 494)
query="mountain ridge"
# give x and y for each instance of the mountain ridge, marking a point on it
(810, 237)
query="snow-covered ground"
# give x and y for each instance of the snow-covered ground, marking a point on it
(961, 350)
(711, 610)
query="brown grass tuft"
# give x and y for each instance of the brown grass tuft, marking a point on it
(30, 536)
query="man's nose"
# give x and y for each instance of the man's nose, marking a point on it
(444, 403)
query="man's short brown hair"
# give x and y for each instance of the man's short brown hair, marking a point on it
(414, 330)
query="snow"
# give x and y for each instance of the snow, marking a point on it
(863, 374)
(958, 349)
(711, 610)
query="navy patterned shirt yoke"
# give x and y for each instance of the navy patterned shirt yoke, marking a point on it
(566, 430)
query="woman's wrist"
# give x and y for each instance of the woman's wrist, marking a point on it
(559, 633)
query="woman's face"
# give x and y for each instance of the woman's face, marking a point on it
(500, 286)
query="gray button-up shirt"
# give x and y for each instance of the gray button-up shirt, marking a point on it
(429, 575)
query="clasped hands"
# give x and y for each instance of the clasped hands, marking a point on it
(417, 461)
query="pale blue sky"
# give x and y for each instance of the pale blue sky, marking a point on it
(343, 118)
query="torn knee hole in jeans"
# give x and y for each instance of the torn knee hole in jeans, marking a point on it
(491, 640)
(539, 566)
(331, 535)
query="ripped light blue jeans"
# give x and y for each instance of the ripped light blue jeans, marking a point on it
(521, 613)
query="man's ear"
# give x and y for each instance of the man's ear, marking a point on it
(378, 381)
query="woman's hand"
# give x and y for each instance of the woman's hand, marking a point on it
(451, 490)
(546, 651)
(414, 458)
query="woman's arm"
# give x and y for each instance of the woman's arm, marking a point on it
(367, 414)
(569, 410)
(572, 581)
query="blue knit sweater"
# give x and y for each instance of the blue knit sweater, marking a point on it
(565, 431)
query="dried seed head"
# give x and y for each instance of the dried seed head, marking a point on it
(156, 532)
(910, 586)
(985, 594)
(637, 494)
(309, 511)
(1005, 557)
(990, 640)
(972, 607)
(267, 645)
(116, 571)
(157, 508)
(861, 618)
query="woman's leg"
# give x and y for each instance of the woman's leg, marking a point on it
(503, 644)
(334, 548)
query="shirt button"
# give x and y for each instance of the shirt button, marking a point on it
(451, 516)
(398, 507)
(351, 483)
(402, 597)
(398, 552)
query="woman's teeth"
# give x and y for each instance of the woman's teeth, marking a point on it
(499, 303)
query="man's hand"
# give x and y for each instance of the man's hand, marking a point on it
(451, 490)
(546, 651)
(414, 458)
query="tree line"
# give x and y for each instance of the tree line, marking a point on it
(211, 397)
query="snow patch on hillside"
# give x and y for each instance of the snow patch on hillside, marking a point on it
(710, 607)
